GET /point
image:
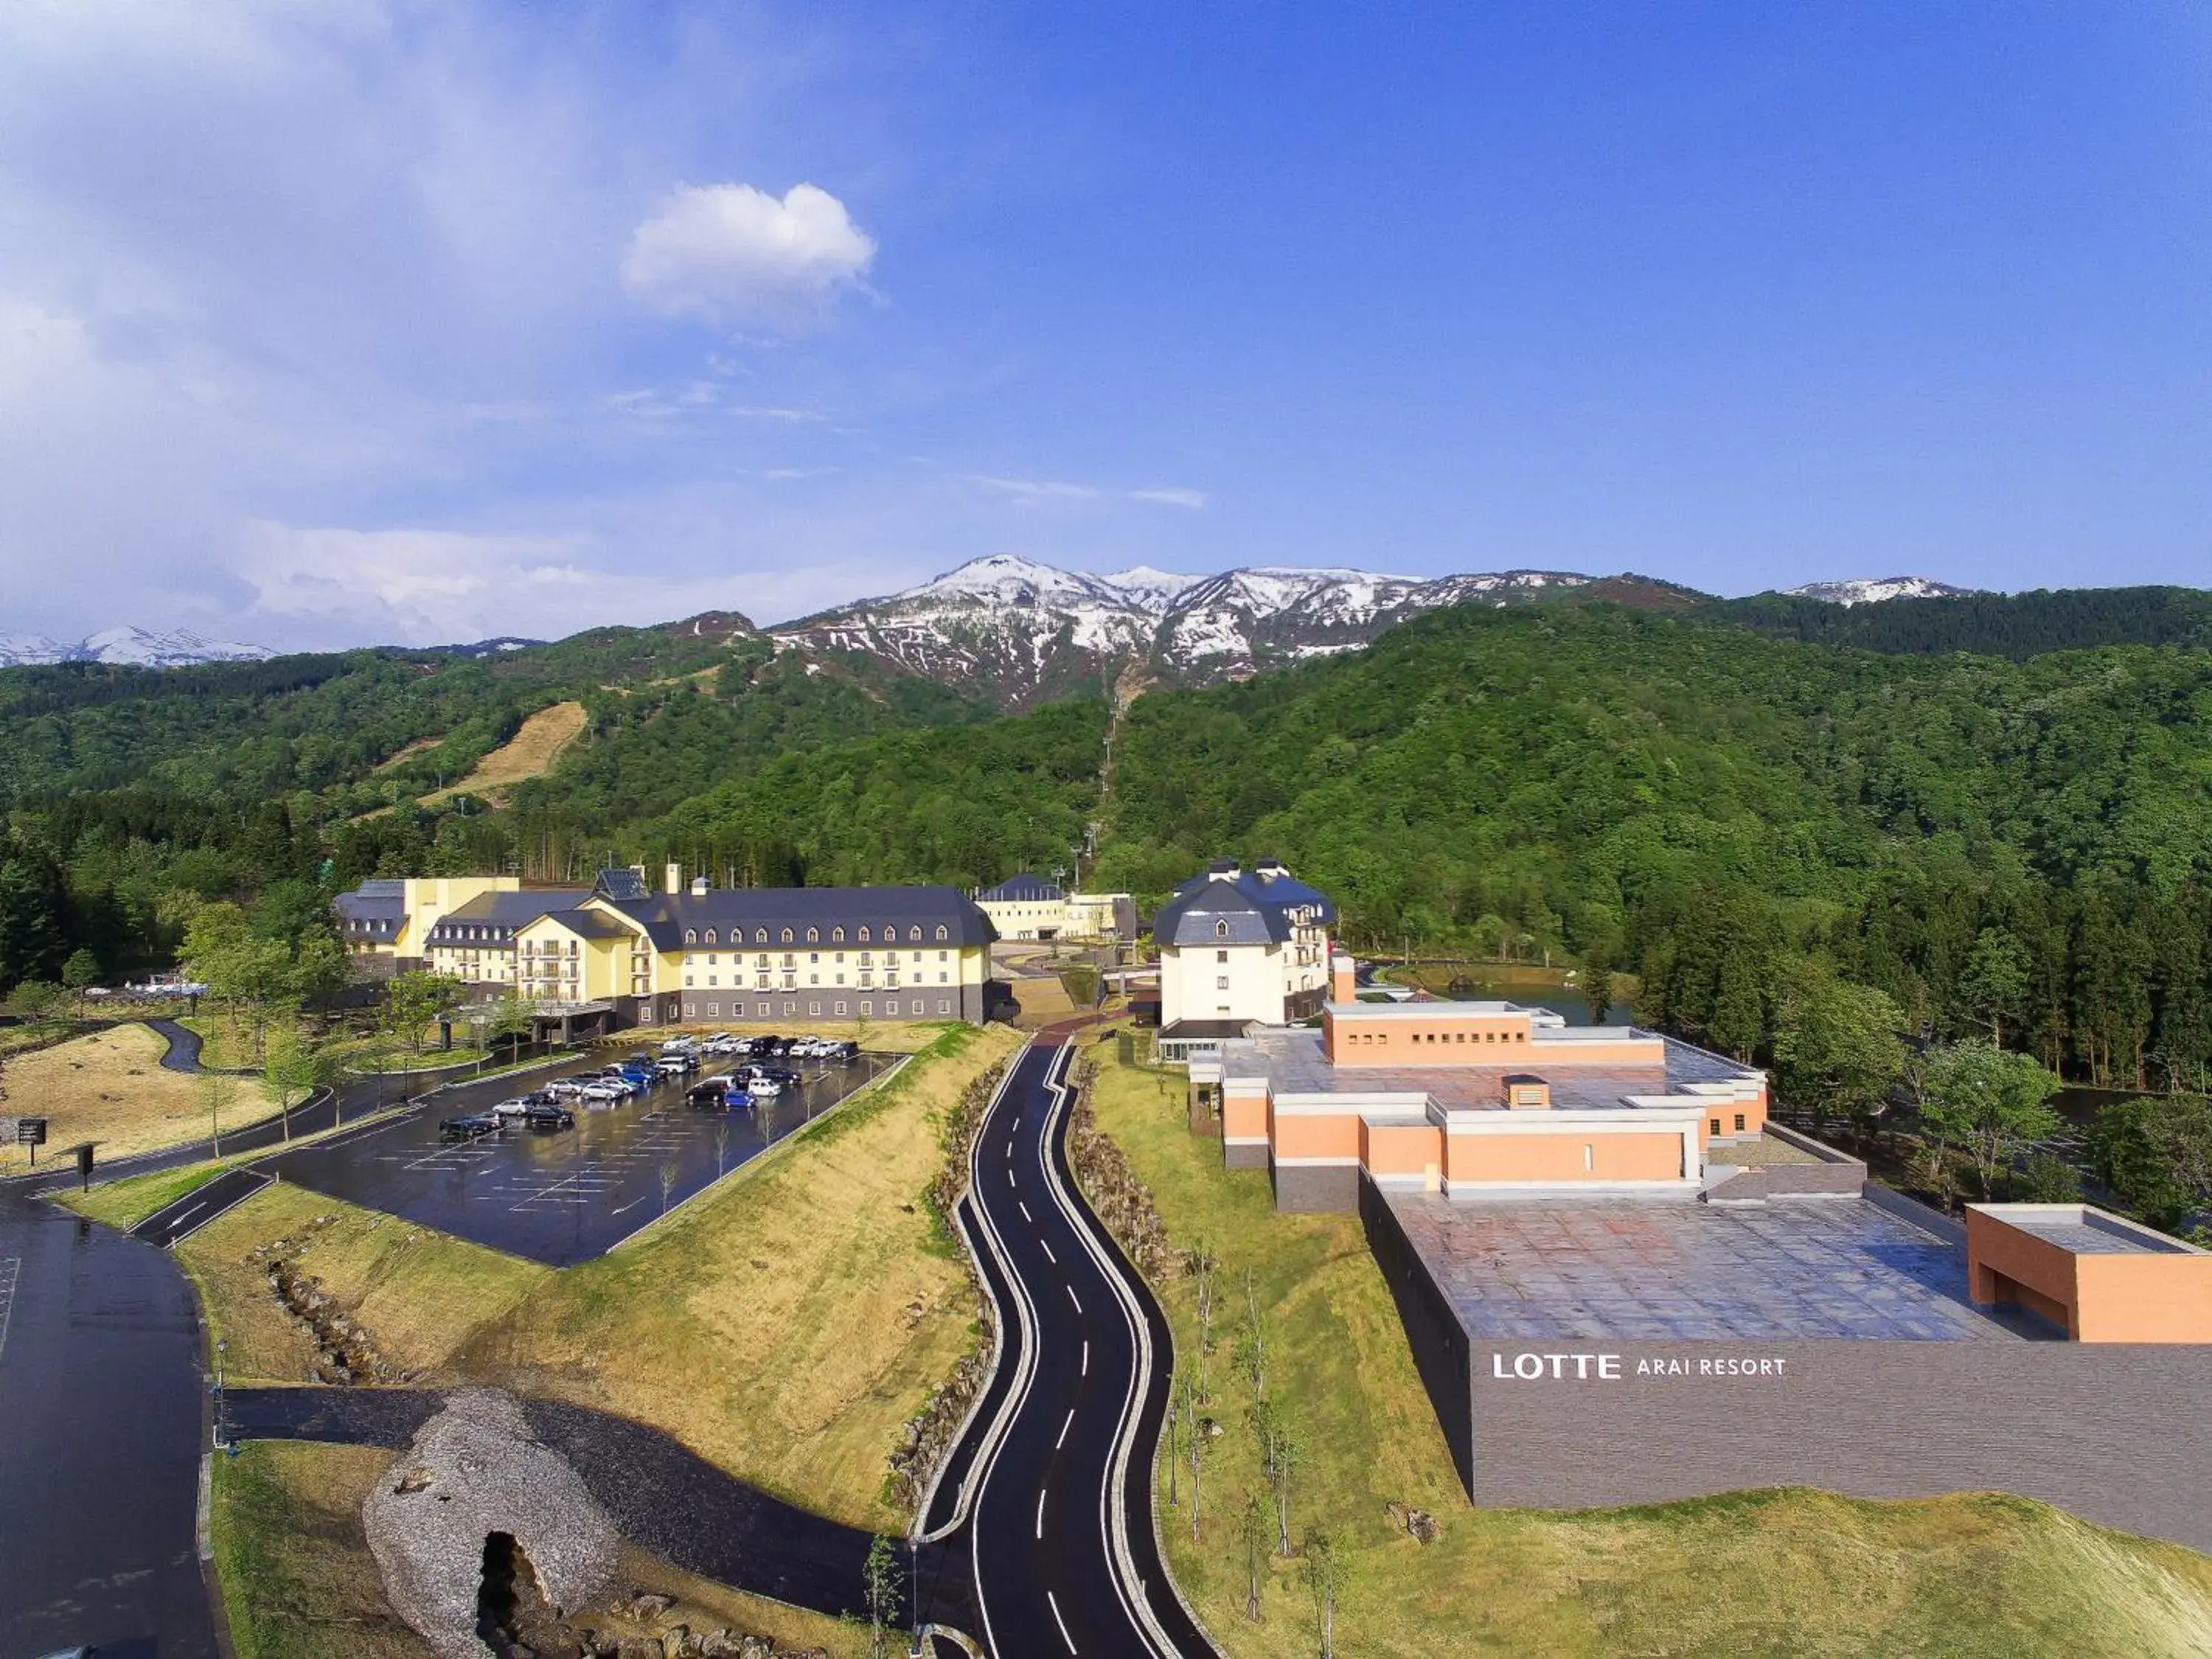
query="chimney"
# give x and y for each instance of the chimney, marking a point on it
(1223, 870)
(674, 877)
(1527, 1092)
(699, 889)
(1343, 979)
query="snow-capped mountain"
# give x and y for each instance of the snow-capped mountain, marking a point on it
(134, 648)
(1872, 590)
(1019, 631)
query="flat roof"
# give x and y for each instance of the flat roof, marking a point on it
(1292, 1059)
(1817, 1268)
(2083, 1230)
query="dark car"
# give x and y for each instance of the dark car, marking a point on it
(467, 1126)
(545, 1116)
(712, 1095)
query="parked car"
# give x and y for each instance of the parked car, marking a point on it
(467, 1126)
(712, 1094)
(764, 1088)
(509, 1110)
(546, 1117)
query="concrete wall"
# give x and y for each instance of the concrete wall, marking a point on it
(2119, 1434)
(1316, 1188)
(2116, 1434)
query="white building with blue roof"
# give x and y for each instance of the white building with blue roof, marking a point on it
(1240, 948)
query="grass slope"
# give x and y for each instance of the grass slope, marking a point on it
(421, 1293)
(787, 1323)
(1790, 1572)
(784, 1325)
(110, 1087)
(529, 753)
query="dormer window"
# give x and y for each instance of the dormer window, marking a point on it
(786, 936)
(760, 935)
(691, 935)
(864, 934)
(913, 932)
(943, 932)
(837, 935)
(1221, 930)
(814, 936)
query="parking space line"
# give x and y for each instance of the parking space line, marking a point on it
(11, 1269)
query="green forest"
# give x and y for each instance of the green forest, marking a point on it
(2009, 842)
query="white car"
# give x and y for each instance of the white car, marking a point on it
(510, 1110)
(763, 1088)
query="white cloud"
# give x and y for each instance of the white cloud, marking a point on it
(1193, 498)
(1037, 491)
(733, 254)
(788, 416)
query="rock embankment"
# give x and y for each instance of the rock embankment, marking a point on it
(1121, 1201)
(344, 1352)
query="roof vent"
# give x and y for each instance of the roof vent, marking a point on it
(1223, 870)
(1268, 869)
(699, 888)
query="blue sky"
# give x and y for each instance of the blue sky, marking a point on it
(379, 319)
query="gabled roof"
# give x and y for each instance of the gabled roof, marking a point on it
(1023, 888)
(510, 909)
(585, 924)
(1249, 906)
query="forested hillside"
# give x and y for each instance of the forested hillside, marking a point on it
(1991, 624)
(1681, 797)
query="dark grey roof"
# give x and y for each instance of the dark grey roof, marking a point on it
(667, 916)
(589, 924)
(1204, 1031)
(372, 901)
(505, 911)
(1256, 908)
(1023, 888)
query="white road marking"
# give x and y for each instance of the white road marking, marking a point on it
(1062, 1441)
(195, 1210)
(632, 1205)
(1086, 1359)
(1072, 1298)
(1052, 1602)
(1048, 1256)
(1026, 1216)
(1040, 1522)
(10, 1270)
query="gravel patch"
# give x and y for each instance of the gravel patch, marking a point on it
(473, 1470)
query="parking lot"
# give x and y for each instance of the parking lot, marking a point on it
(562, 1196)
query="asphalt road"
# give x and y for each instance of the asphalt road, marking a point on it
(1053, 1478)
(102, 1394)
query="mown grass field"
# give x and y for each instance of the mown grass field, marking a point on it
(298, 1581)
(109, 1086)
(1793, 1573)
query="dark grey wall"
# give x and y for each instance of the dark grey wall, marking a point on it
(1314, 1188)
(2118, 1434)
(1438, 1339)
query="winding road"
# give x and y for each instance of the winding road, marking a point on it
(1052, 1478)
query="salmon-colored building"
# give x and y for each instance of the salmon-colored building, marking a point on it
(2101, 1276)
(1473, 1100)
